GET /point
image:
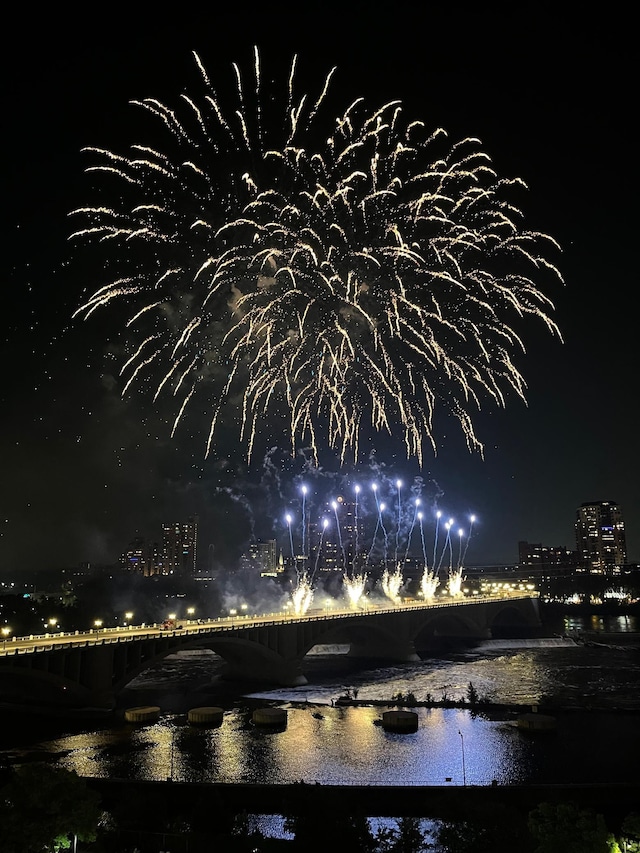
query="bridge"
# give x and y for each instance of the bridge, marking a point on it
(89, 669)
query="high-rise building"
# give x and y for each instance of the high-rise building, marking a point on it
(141, 556)
(600, 538)
(545, 560)
(179, 547)
(348, 549)
(263, 557)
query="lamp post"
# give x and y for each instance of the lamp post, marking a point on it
(464, 769)
(173, 734)
(97, 624)
(5, 633)
(128, 617)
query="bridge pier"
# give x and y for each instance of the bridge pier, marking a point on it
(97, 676)
(400, 651)
(286, 673)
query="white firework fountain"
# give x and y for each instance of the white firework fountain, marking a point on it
(302, 596)
(429, 584)
(455, 575)
(354, 588)
(455, 582)
(392, 583)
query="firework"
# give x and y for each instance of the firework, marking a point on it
(454, 582)
(334, 507)
(429, 584)
(391, 583)
(354, 573)
(302, 595)
(374, 278)
(354, 587)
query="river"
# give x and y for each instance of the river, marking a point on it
(593, 688)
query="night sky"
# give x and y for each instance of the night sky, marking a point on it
(553, 102)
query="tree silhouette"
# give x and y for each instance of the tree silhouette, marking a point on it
(42, 808)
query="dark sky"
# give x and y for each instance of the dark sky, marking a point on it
(553, 102)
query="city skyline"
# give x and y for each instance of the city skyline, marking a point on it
(391, 531)
(81, 464)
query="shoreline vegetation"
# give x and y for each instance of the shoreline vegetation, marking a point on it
(472, 703)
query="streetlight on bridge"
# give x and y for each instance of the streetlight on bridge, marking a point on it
(6, 630)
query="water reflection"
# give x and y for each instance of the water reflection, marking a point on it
(342, 747)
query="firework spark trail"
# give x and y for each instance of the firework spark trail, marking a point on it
(304, 519)
(429, 581)
(356, 549)
(460, 535)
(334, 506)
(450, 546)
(375, 278)
(381, 509)
(293, 553)
(374, 488)
(435, 536)
(413, 524)
(464, 555)
(447, 543)
(325, 524)
(395, 559)
(424, 547)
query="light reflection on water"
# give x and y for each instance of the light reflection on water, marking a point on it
(342, 747)
(345, 747)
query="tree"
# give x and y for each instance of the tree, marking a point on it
(407, 837)
(631, 833)
(472, 695)
(42, 808)
(336, 830)
(564, 826)
(475, 836)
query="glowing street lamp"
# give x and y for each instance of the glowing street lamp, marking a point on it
(6, 630)
(97, 624)
(53, 623)
(190, 612)
(464, 769)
